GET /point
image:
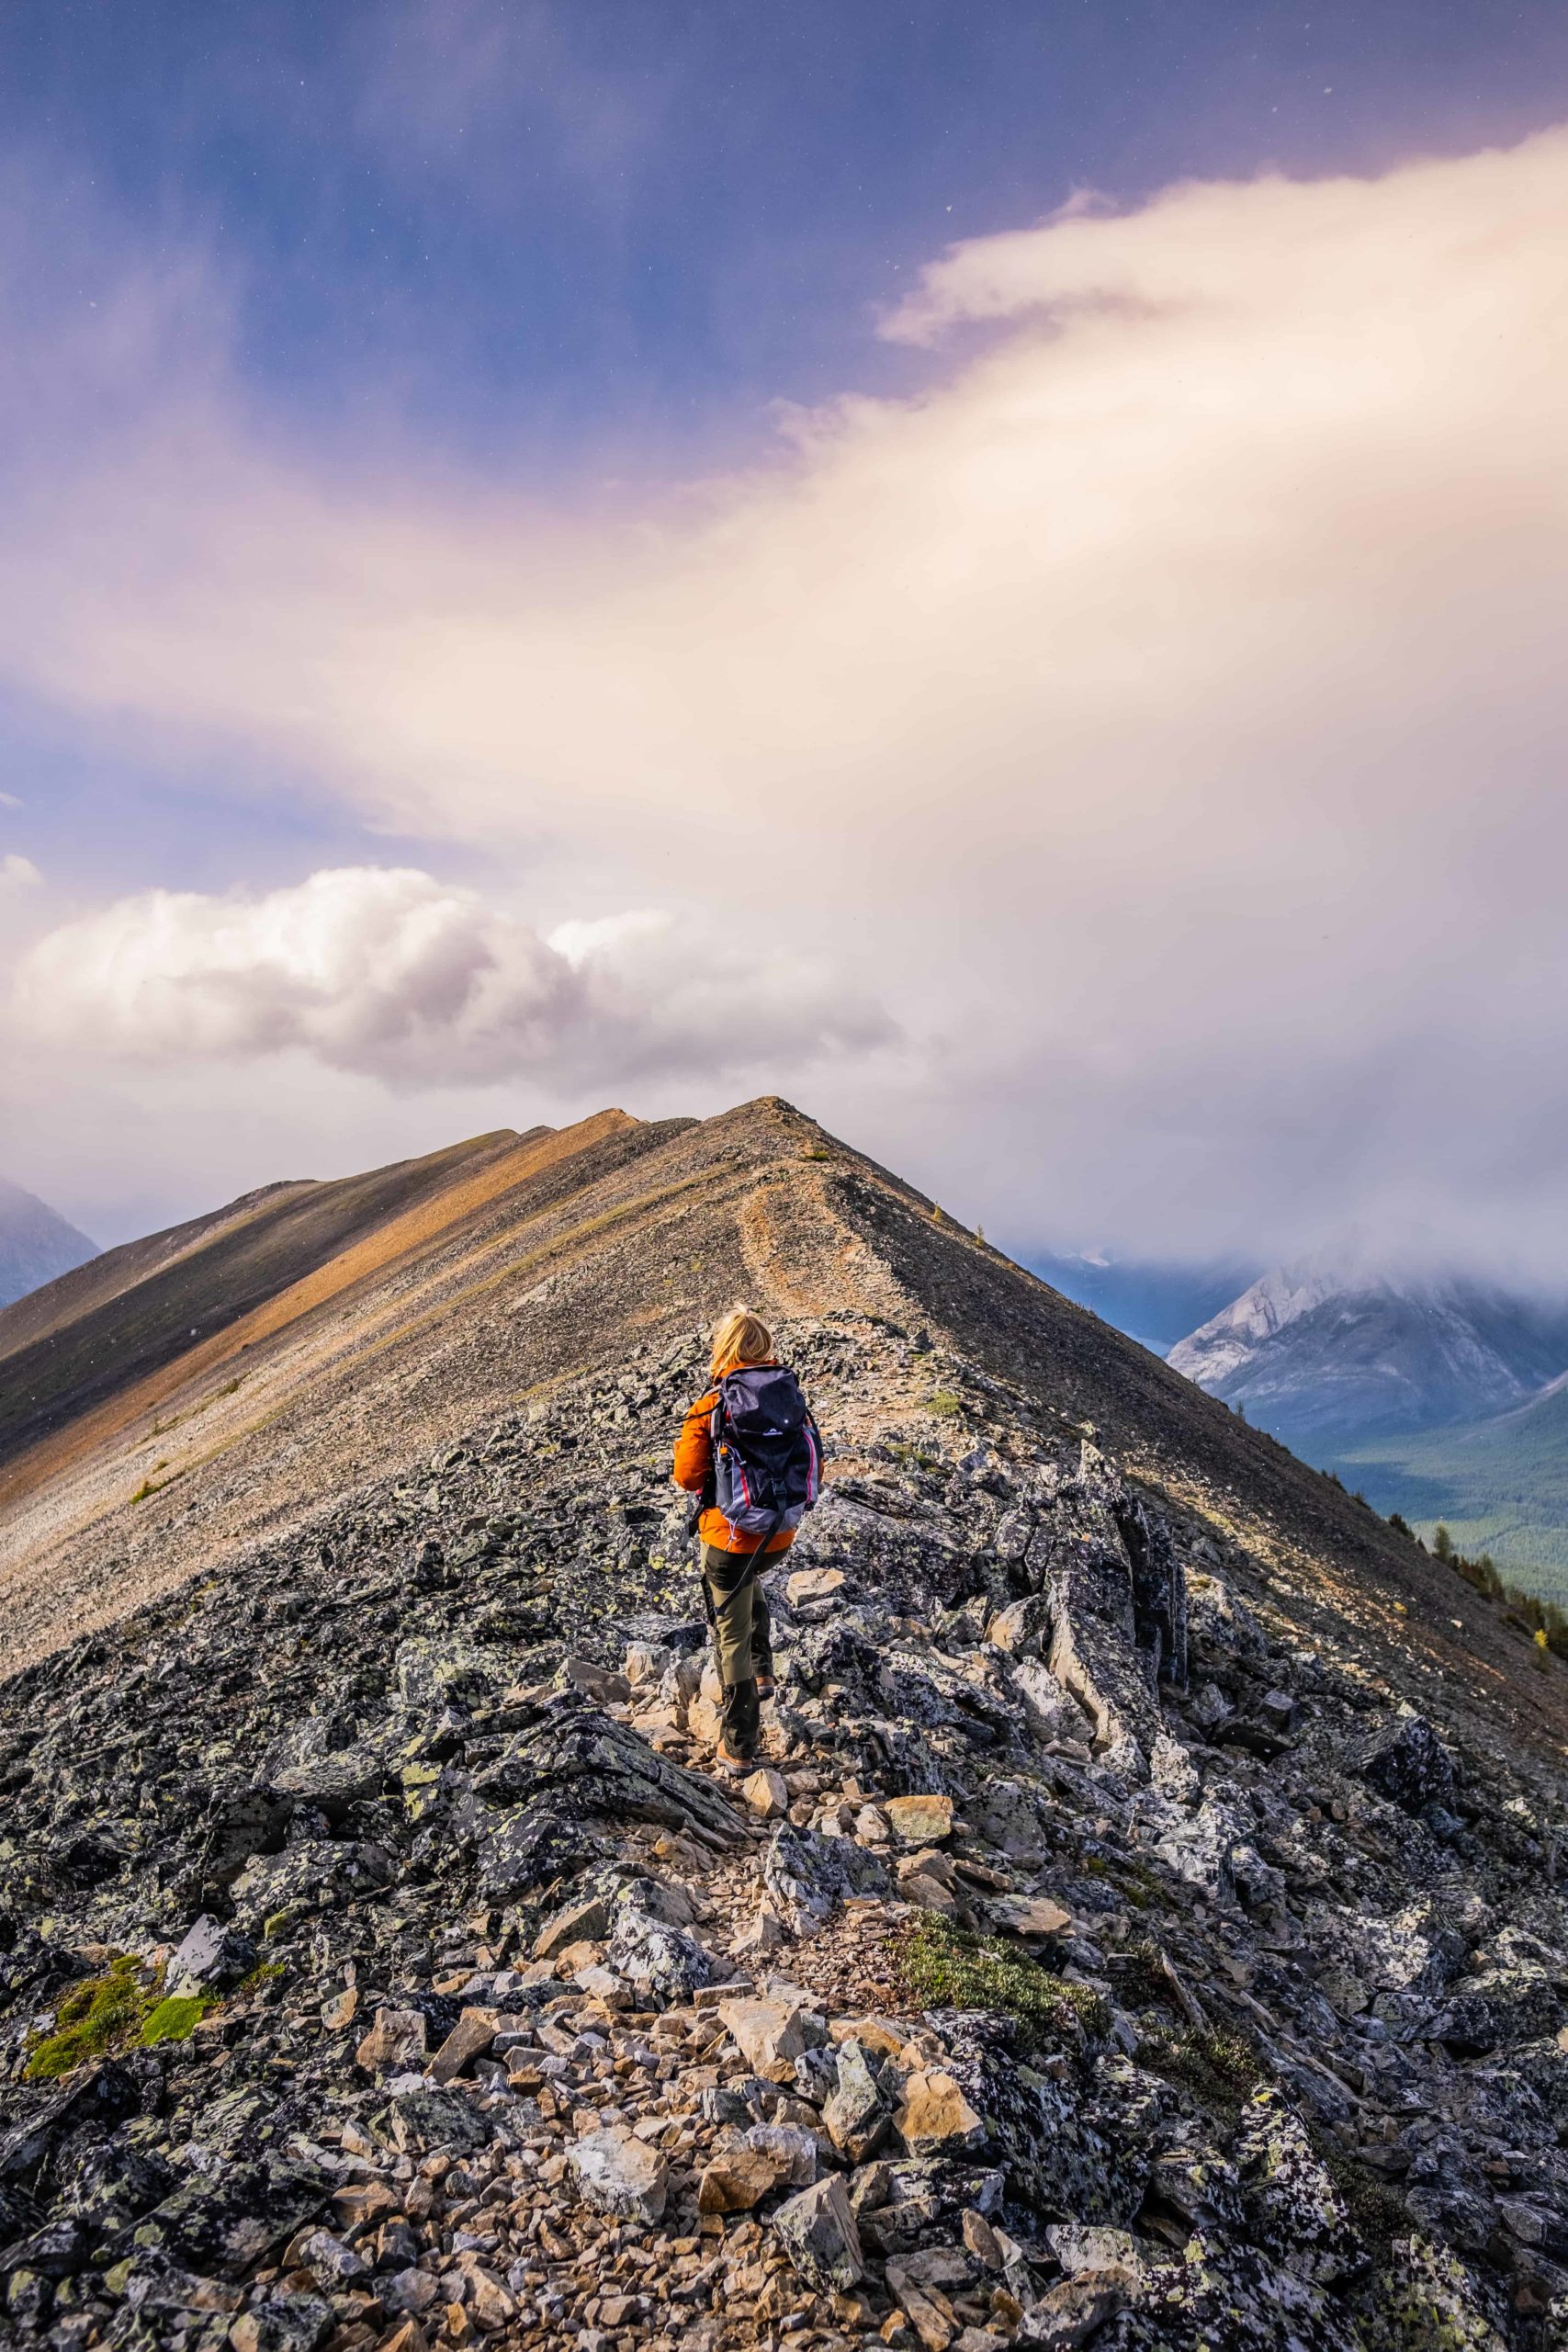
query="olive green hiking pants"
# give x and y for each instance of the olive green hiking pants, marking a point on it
(742, 1631)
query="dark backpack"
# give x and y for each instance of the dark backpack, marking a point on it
(767, 1454)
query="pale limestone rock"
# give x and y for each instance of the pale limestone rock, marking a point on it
(878, 2035)
(487, 2302)
(935, 2116)
(600, 1683)
(765, 2032)
(396, 2039)
(1031, 1915)
(765, 1934)
(615, 2173)
(765, 1794)
(981, 2239)
(813, 1584)
(601, 1984)
(739, 2178)
(928, 1893)
(920, 1821)
(929, 1863)
(1020, 1626)
(930, 2322)
(468, 2039)
(578, 1920)
(575, 1957)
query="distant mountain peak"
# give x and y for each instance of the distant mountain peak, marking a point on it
(1336, 1347)
(36, 1243)
(1229, 1338)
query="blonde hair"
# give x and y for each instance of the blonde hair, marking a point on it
(739, 1338)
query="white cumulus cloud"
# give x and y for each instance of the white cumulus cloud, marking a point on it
(386, 971)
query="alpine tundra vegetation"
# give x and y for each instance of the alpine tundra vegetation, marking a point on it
(1145, 1925)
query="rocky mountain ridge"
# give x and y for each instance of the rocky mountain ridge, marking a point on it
(1147, 1927)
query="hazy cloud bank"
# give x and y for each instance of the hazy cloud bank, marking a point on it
(1162, 714)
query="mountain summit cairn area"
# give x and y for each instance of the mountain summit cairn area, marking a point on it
(1147, 1925)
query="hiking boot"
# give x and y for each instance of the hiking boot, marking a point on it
(742, 1721)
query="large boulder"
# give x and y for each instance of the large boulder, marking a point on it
(1406, 1761)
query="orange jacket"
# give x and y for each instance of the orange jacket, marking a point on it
(694, 1461)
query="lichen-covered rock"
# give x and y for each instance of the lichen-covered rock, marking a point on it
(1199, 1847)
(1051, 1707)
(421, 2119)
(856, 2115)
(808, 1875)
(1033, 2127)
(919, 1820)
(1431, 2300)
(225, 2226)
(1287, 1989)
(444, 1670)
(1406, 1761)
(817, 2231)
(310, 1876)
(1292, 2204)
(659, 1961)
(1501, 2007)
(1081, 1563)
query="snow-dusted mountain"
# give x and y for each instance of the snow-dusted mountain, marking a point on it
(1322, 1355)
(36, 1243)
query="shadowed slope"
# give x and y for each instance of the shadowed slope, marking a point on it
(70, 1297)
(201, 1282)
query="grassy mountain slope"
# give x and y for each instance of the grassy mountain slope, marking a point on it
(541, 1258)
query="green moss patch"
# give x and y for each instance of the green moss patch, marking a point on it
(944, 1967)
(268, 1972)
(176, 2018)
(944, 1402)
(105, 2013)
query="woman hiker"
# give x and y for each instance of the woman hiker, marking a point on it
(749, 1447)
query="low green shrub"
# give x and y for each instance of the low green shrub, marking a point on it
(1219, 2069)
(944, 1967)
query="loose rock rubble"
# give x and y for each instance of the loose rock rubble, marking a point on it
(1093, 1959)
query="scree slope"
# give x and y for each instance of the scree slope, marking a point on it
(1147, 1927)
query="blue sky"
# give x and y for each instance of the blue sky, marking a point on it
(376, 366)
(530, 235)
